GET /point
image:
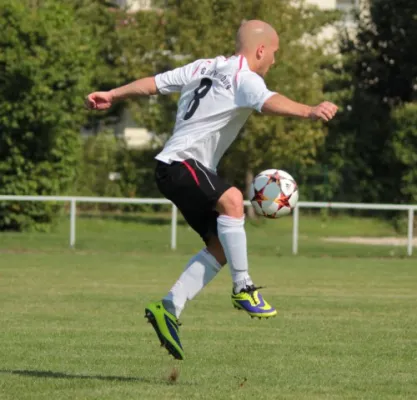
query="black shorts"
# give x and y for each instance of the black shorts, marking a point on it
(195, 190)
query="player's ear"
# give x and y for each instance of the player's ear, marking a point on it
(260, 52)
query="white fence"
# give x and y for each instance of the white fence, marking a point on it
(296, 214)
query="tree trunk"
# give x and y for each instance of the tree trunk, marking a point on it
(250, 212)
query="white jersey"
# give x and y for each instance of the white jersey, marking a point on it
(217, 97)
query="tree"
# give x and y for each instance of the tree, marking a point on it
(99, 159)
(382, 67)
(333, 175)
(45, 70)
(128, 47)
(404, 145)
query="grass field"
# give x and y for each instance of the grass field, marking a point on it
(72, 325)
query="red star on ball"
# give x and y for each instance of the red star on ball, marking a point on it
(274, 178)
(283, 201)
(259, 196)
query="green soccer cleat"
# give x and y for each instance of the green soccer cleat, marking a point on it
(166, 327)
(250, 300)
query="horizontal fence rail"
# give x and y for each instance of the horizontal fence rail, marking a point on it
(73, 200)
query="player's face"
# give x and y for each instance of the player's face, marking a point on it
(268, 56)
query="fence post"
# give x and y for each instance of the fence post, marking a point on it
(73, 214)
(295, 230)
(410, 231)
(174, 227)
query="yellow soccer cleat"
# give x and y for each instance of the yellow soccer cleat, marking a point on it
(166, 327)
(250, 300)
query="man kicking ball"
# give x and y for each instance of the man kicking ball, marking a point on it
(217, 97)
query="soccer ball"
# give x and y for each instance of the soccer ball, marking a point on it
(273, 193)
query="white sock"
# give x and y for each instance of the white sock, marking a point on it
(200, 270)
(232, 236)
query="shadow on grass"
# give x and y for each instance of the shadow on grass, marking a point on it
(141, 219)
(62, 375)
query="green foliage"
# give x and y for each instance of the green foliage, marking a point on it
(377, 72)
(136, 167)
(128, 48)
(334, 176)
(386, 46)
(104, 154)
(404, 145)
(45, 70)
(99, 159)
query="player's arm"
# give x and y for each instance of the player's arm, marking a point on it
(104, 100)
(165, 83)
(278, 104)
(141, 87)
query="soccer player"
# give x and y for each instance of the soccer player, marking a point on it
(217, 97)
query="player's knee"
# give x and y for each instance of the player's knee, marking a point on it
(231, 203)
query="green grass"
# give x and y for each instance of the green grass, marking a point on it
(72, 326)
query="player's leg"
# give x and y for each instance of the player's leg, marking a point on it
(232, 235)
(164, 322)
(224, 233)
(179, 185)
(198, 273)
(163, 315)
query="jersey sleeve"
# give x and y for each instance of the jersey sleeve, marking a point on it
(252, 91)
(174, 80)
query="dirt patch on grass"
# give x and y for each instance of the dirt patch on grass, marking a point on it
(382, 241)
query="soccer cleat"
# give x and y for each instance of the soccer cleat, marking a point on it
(250, 300)
(166, 327)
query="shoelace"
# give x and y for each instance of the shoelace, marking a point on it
(250, 290)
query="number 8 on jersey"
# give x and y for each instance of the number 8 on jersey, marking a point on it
(199, 93)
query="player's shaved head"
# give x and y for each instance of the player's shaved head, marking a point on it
(258, 42)
(253, 33)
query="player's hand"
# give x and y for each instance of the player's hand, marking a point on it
(324, 111)
(99, 100)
